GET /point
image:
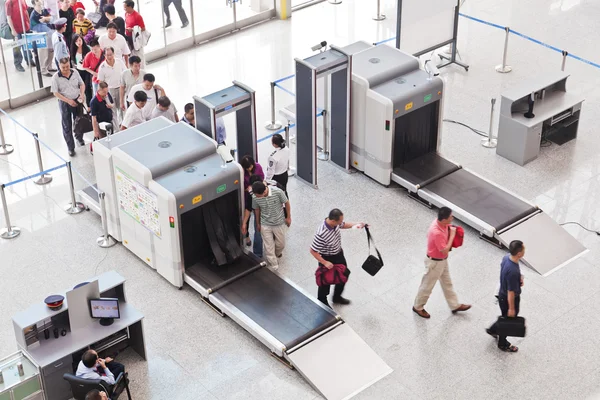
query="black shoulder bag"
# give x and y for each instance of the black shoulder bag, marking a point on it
(372, 264)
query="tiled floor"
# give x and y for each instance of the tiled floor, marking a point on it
(195, 354)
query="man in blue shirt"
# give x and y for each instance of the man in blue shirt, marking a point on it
(509, 294)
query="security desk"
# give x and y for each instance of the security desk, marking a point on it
(556, 117)
(57, 356)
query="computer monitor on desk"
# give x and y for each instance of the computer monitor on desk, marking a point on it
(105, 309)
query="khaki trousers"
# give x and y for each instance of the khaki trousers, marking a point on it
(273, 242)
(436, 271)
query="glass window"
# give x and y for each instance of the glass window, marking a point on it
(212, 14)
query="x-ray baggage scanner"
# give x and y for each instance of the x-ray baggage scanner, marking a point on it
(179, 205)
(399, 141)
(238, 98)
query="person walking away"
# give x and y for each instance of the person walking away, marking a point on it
(68, 87)
(133, 19)
(326, 248)
(257, 247)
(136, 113)
(152, 90)
(65, 11)
(79, 49)
(177, 3)
(110, 13)
(251, 168)
(165, 108)
(267, 203)
(130, 77)
(101, 109)
(38, 20)
(93, 60)
(279, 162)
(112, 39)
(439, 243)
(110, 71)
(83, 26)
(18, 21)
(509, 295)
(59, 44)
(188, 114)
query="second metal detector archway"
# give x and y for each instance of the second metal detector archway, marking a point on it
(334, 62)
(238, 98)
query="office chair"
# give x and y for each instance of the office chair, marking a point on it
(80, 386)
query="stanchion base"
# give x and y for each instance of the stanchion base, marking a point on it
(74, 209)
(43, 179)
(503, 69)
(323, 156)
(335, 2)
(6, 149)
(106, 242)
(490, 144)
(273, 126)
(10, 234)
(379, 17)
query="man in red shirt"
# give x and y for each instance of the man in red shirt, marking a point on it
(18, 21)
(133, 19)
(439, 243)
(92, 61)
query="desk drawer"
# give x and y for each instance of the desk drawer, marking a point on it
(65, 362)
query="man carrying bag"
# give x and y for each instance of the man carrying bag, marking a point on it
(326, 248)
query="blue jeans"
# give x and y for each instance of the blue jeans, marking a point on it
(257, 246)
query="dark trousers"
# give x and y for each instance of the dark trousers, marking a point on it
(116, 368)
(68, 114)
(282, 179)
(323, 291)
(87, 80)
(178, 7)
(503, 303)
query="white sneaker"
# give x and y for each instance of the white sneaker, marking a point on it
(273, 267)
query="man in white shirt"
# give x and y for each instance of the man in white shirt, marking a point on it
(110, 71)
(93, 367)
(136, 113)
(153, 92)
(116, 41)
(129, 78)
(165, 109)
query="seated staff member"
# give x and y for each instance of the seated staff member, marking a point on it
(93, 367)
(326, 248)
(279, 162)
(135, 114)
(188, 115)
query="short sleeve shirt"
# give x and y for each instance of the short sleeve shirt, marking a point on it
(128, 80)
(169, 114)
(152, 96)
(134, 116)
(510, 277)
(68, 87)
(118, 44)
(111, 75)
(99, 109)
(133, 19)
(327, 240)
(437, 240)
(271, 207)
(91, 61)
(17, 11)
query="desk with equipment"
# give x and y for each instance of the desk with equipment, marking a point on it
(538, 111)
(94, 315)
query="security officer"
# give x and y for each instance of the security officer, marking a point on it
(58, 41)
(278, 162)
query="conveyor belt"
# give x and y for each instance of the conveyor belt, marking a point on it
(480, 198)
(214, 277)
(424, 170)
(277, 307)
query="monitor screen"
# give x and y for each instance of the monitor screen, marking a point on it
(104, 308)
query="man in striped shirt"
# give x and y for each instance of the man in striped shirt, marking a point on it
(326, 248)
(268, 203)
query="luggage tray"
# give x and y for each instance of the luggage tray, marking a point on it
(425, 169)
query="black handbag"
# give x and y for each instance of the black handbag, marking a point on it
(83, 121)
(513, 327)
(372, 264)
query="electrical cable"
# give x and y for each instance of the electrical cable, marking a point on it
(581, 226)
(477, 131)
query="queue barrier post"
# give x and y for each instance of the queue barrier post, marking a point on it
(503, 68)
(10, 232)
(273, 125)
(73, 207)
(104, 241)
(44, 178)
(490, 142)
(564, 59)
(4, 148)
(379, 16)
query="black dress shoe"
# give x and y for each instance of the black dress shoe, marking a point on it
(80, 142)
(20, 68)
(72, 153)
(340, 300)
(168, 24)
(186, 23)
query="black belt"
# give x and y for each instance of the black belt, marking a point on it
(436, 259)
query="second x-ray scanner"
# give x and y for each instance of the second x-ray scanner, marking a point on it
(399, 139)
(178, 205)
(237, 98)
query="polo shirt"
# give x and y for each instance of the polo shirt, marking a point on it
(91, 62)
(68, 87)
(328, 239)
(111, 74)
(119, 44)
(510, 277)
(187, 121)
(133, 19)
(437, 240)
(99, 109)
(14, 9)
(82, 27)
(134, 116)
(271, 207)
(152, 96)
(128, 80)
(169, 114)
(77, 5)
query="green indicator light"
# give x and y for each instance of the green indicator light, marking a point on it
(426, 98)
(387, 125)
(221, 188)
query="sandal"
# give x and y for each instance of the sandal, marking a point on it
(509, 349)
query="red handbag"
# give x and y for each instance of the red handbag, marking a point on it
(338, 274)
(459, 237)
